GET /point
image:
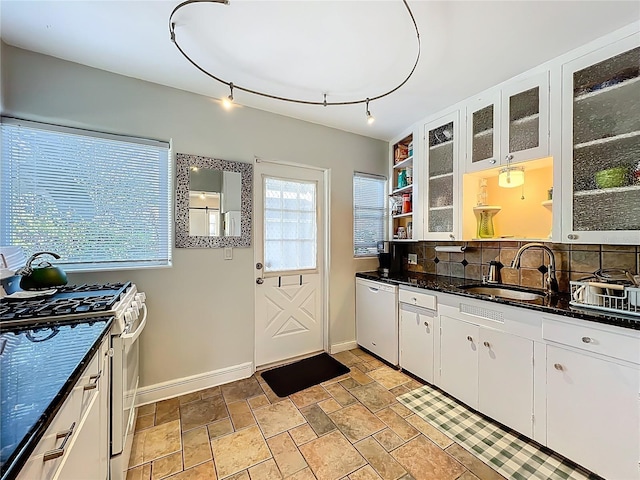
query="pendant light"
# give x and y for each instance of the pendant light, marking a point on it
(511, 177)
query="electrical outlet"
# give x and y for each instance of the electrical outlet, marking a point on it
(413, 259)
(228, 253)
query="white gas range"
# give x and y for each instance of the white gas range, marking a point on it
(127, 305)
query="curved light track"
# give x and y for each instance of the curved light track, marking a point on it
(324, 102)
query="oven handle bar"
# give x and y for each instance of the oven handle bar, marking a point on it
(130, 338)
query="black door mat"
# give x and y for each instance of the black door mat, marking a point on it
(303, 374)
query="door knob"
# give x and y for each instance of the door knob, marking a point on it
(470, 338)
(259, 266)
(259, 281)
(487, 344)
(426, 324)
(558, 366)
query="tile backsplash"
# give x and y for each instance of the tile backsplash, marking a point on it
(573, 262)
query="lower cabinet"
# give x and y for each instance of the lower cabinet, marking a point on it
(489, 370)
(417, 333)
(593, 412)
(76, 444)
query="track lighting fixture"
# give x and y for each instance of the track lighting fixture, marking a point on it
(227, 102)
(370, 118)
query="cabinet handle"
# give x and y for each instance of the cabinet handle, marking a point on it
(557, 366)
(58, 452)
(94, 379)
(487, 344)
(470, 338)
(492, 161)
(508, 157)
(572, 236)
(414, 299)
(452, 236)
(426, 324)
(587, 339)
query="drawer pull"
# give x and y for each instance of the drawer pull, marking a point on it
(94, 384)
(426, 324)
(58, 452)
(414, 299)
(587, 339)
(487, 344)
(470, 338)
(557, 366)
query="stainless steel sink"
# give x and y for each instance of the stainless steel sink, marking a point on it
(503, 291)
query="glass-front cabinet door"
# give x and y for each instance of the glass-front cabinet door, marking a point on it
(525, 119)
(601, 145)
(483, 137)
(442, 138)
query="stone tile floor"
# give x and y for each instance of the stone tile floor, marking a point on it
(349, 428)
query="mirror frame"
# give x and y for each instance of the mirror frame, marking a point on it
(183, 240)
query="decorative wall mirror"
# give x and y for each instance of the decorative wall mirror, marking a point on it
(214, 202)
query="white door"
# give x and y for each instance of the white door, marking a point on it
(289, 254)
(416, 342)
(505, 379)
(459, 359)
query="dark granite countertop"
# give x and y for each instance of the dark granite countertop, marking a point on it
(557, 305)
(39, 366)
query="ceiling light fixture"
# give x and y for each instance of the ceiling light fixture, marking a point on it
(511, 177)
(227, 101)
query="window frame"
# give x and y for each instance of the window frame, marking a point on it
(166, 173)
(383, 209)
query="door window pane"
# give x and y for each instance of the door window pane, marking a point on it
(290, 229)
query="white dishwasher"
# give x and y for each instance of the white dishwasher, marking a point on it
(377, 318)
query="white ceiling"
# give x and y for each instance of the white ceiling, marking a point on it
(347, 49)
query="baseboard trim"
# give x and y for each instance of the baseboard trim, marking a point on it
(182, 386)
(344, 346)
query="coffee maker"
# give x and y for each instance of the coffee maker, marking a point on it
(389, 257)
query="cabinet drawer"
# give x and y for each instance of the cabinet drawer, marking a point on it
(73, 408)
(419, 299)
(616, 345)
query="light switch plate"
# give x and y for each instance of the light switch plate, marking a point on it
(413, 259)
(228, 253)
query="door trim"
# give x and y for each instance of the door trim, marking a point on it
(324, 268)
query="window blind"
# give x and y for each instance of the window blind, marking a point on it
(369, 211)
(100, 201)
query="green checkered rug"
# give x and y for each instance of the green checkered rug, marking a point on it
(507, 452)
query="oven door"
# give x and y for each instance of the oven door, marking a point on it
(125, 385)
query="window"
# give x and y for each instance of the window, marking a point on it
(290, 229)
(100, 201)
(369, 210)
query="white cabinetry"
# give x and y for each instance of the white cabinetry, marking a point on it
(489, 370)
(377, 318)
(442, 140)
(593, 409)
(509, 124)
(76, 444)
(601, 145)
(418, 327)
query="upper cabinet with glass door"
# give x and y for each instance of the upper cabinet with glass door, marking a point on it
(508, 125)
(442, 139)
(601, 145)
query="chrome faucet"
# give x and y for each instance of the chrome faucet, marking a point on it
(551, 282)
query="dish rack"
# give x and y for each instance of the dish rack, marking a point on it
(625, 301)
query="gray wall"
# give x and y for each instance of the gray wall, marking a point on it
(201, 309)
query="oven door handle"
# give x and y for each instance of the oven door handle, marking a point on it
(130, 338)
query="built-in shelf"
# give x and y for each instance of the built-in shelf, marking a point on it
(604, 191)
(605, 140)
(483, 133)
(612, 89)
(446, 207)
(443, 144)
(442, 175)
(527, 119)
(405, 240)
(547, 203)
(404, 163)
(406, 189)
(403, 215)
